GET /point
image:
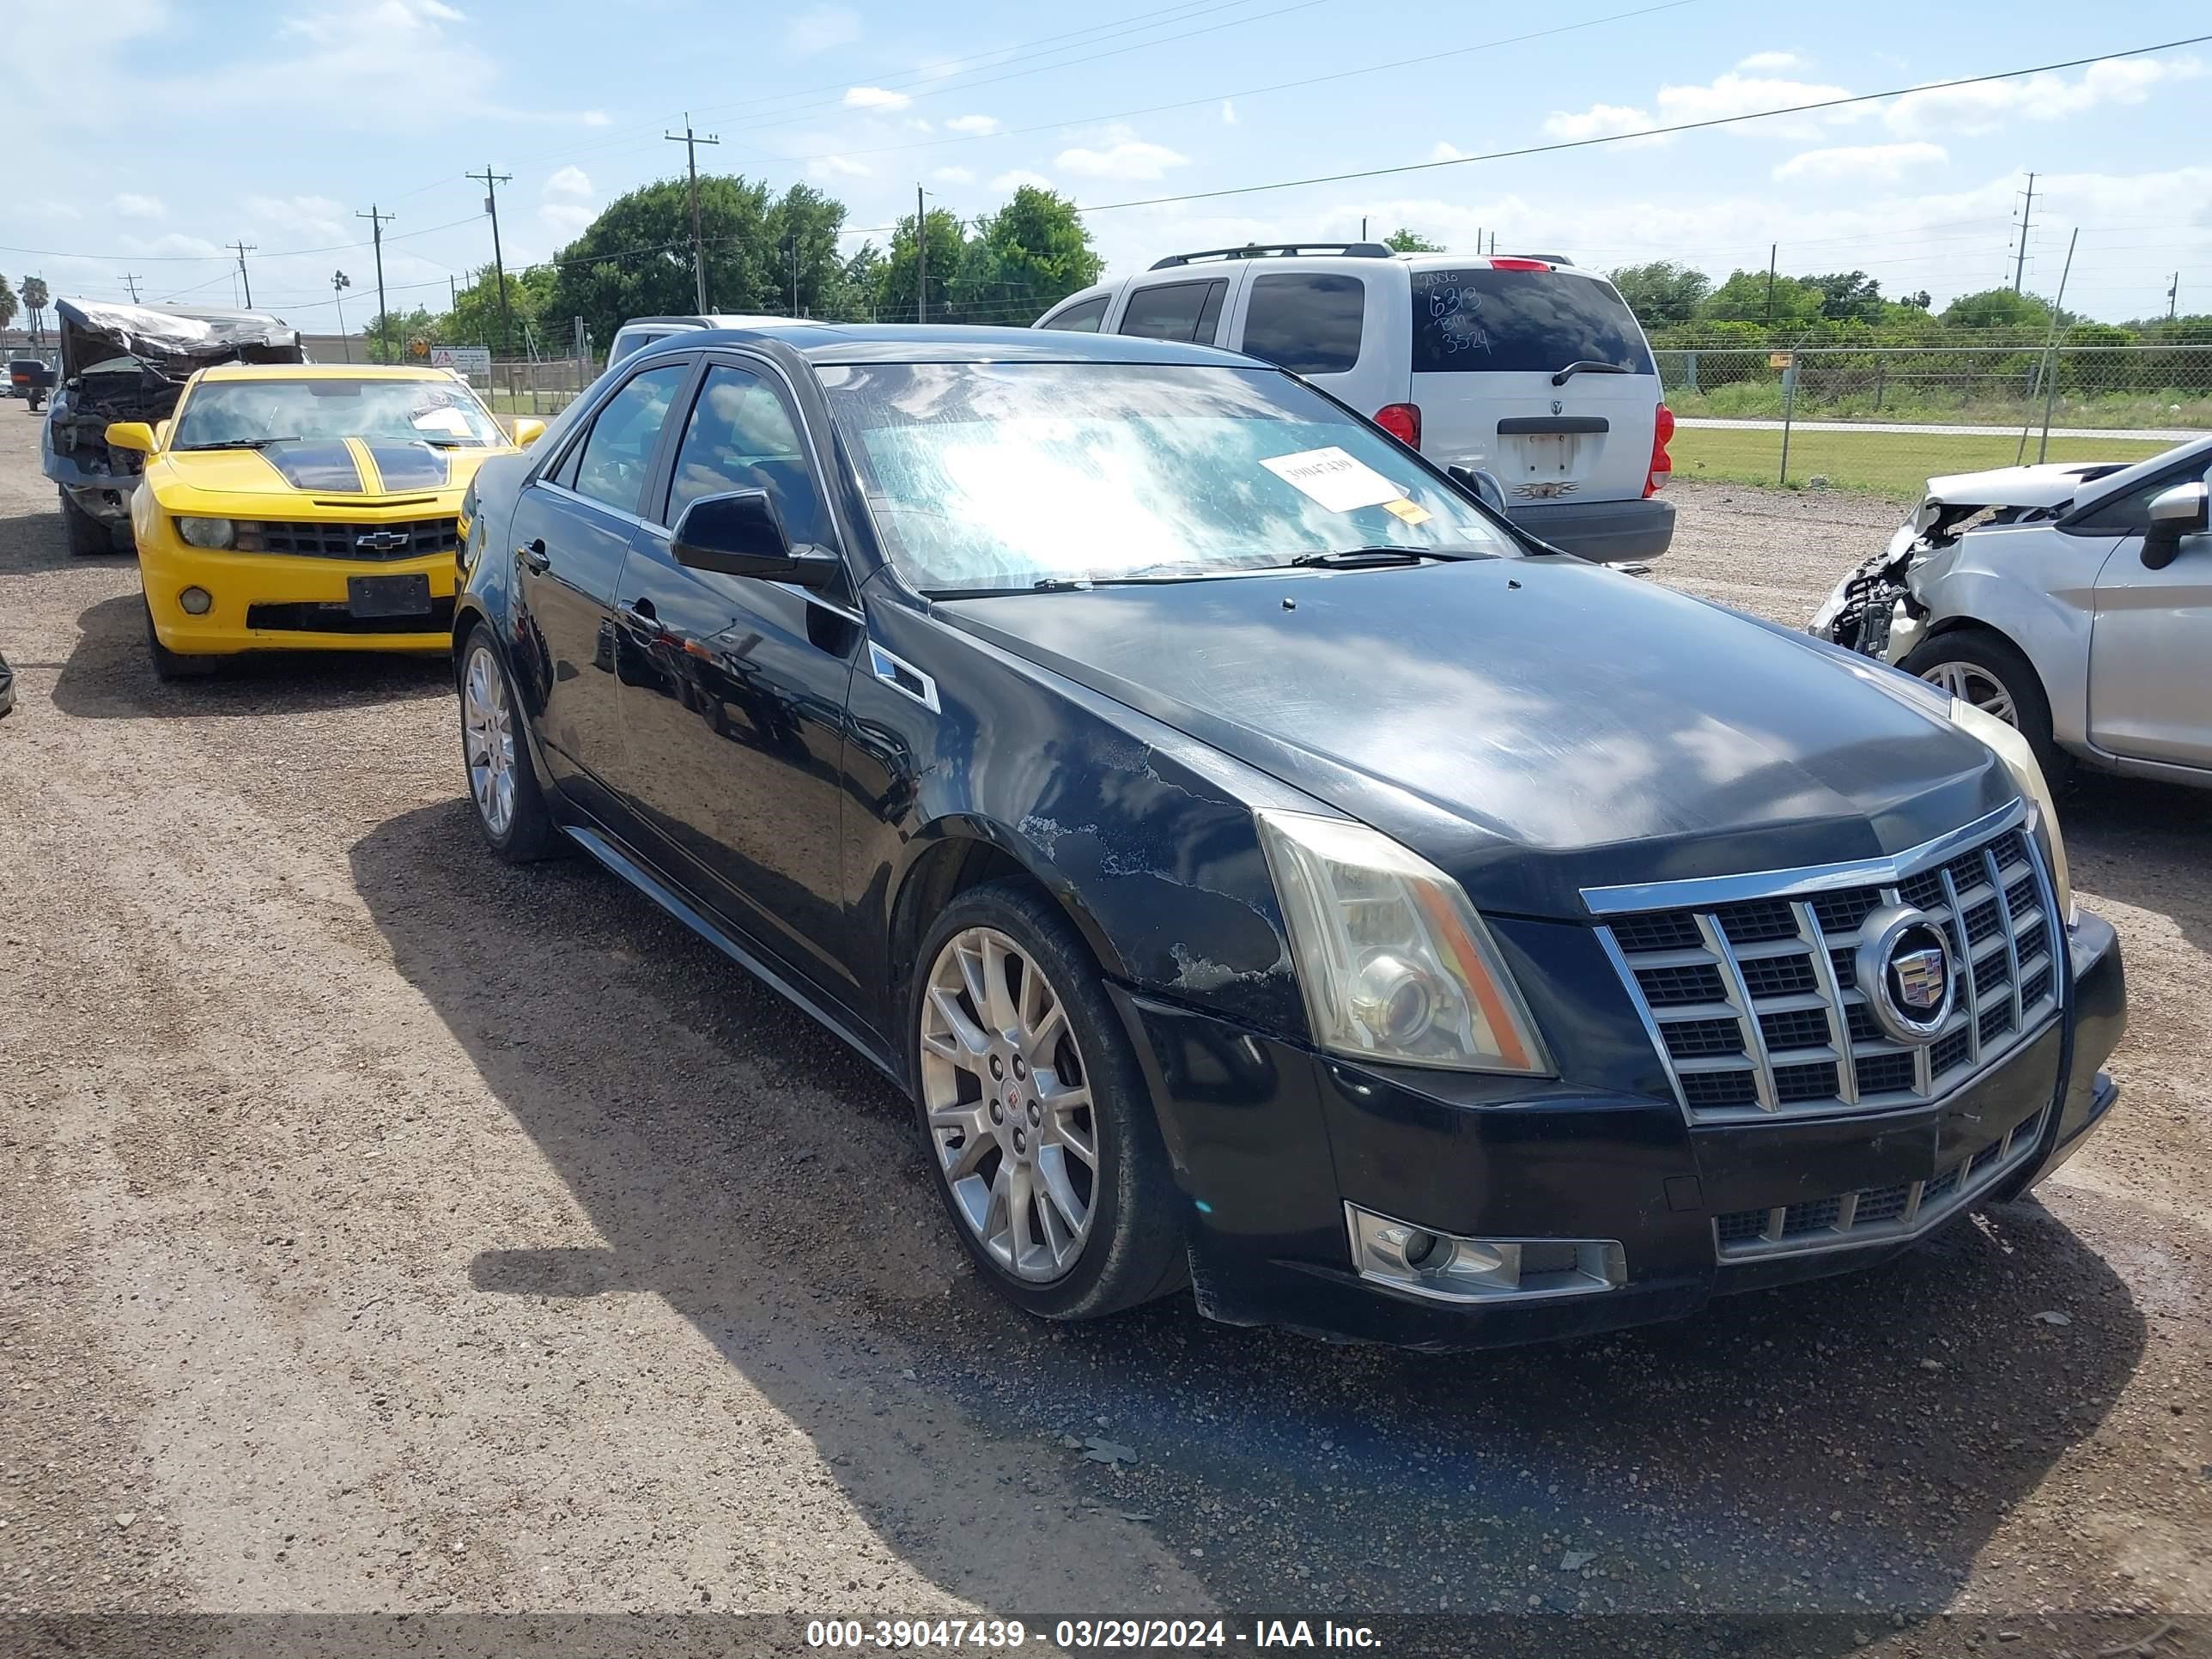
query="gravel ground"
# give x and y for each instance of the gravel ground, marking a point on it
(383, 1229)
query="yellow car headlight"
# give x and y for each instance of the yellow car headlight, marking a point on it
(207, 532)
(2020, 760)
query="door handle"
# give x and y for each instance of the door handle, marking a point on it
(535, 558)
(642, 612)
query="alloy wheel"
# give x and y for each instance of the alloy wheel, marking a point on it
(1971, 682)
(487, 739)
(1007, 1099)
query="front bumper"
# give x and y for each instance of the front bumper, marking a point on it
(1270, 1141)
(286, 602)
(1611, 532)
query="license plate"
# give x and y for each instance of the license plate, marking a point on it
(388, 596)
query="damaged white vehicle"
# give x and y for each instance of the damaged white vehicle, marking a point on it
(2072, 600)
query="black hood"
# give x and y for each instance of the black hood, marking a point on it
(1536, 727)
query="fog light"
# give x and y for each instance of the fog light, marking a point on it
(196, 601)
(1451, 1268)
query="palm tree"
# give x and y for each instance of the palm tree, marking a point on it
(34, 301)
(8, 304)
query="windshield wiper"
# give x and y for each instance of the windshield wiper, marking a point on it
(1360, 558)
(243, 443)
(1586, 367)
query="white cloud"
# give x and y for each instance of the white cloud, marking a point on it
(1441, 151)
(1007, 183)
(1228, 112)
(1989, 105)
(975, 126)
(822, 27)
(916, 124)
(132, 206)
(1880, 163)
(1124, 156)
(836, 166)
(596, 118)
(303, 218)
(953, 176)
(568, 181)
(1598, 121)
(1771, 61)
(565, 219)
(875, 98)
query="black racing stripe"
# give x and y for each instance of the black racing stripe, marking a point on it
(410, 466)
(316, 465)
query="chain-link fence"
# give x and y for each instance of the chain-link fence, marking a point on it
(1884, 419)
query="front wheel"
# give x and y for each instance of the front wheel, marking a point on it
(172, 666)
(87, 536)
(1036, 1114)
(502, 785)
(1992, 674)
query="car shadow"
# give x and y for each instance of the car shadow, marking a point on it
(2147, 845)
(1783, 1451)
(108, 675)
(36, 541)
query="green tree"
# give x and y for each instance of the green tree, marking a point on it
(1848, 296)
(1663, 293)
(1403, 240)
(1744, 299)
(35, 300)
(475, 318)
(8, 304)
(634, 259)
(850, 293)
(1997, 307)
(1026, 258)
(895, 283)
(389, 335)
(802, 231)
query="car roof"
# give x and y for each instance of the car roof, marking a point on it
(325, 371)
(921, 342)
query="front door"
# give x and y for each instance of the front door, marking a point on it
(2149, 649)
(571, 530)
(731, 690)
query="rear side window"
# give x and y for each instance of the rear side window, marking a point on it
(1521, 321)
(1309, 324)
(626, 343)
(1079, 320)
(1174, 311)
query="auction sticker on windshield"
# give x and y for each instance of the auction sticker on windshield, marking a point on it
(1334, 479)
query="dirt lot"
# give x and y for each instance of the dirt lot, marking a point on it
(383, 1229)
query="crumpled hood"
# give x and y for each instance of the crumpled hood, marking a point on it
(2045, 485)
(1536, 727)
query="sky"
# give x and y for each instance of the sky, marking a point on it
(199, 125)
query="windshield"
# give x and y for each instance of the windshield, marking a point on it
(992, 476)
(1521, 322)
(443, 412)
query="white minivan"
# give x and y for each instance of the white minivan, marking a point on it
(1525, 367)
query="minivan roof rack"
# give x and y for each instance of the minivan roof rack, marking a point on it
(1278, 250)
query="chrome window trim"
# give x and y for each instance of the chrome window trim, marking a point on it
(591, 501)
(1694, 892)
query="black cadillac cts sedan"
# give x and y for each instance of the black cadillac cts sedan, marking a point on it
(1264, 869)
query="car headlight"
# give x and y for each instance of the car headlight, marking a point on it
(2020, 760)
(207, 532)
(1394, 962)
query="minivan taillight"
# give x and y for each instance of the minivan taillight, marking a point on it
(1519, 264)
(1663, 430)
(1402, 421)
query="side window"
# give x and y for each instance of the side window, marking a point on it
(740, 436)
(1309, 324)
(1080, 319)
(628, 342)
(2129, 513)
(1174, 311)
(617, 452)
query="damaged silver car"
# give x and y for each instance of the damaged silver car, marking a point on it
(122, 362)
(2072, 600)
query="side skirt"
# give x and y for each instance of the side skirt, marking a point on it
(667, 897)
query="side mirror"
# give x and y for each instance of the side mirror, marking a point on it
(527, 431)
(738, 534)
(1482, 484)
(2174, 514)
(134, 435)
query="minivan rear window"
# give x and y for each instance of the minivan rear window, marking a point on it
(1519, 321)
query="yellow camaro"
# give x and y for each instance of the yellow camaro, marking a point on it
(292, 507)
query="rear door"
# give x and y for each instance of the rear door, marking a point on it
(2151, 639)
(1186, 308)
(1340, 327)
(1490, 343)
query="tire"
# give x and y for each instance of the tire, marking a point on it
(1989, 670)
(88, 537)
(998, 1180)
(170, 666)
(510, 808)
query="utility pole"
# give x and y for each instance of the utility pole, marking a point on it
(2173, 295)
(452, 292)
(1773, 249)
(376, 223)
(794, 270)
(339, 284)
(691, 141)
(921, 259)
(131, 281)
(245, 248)
(499, 265)
(2026, 216)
